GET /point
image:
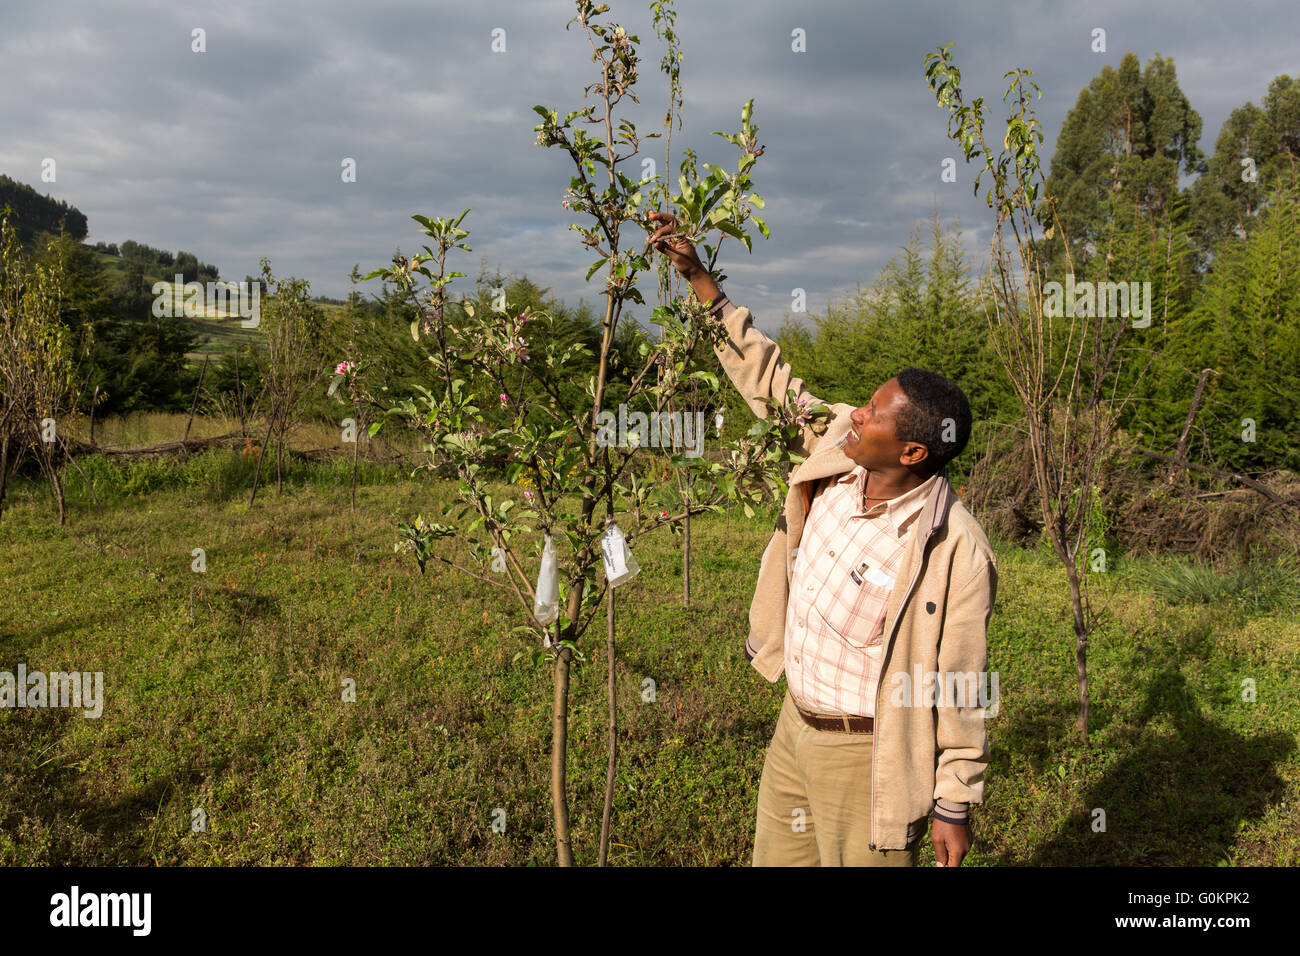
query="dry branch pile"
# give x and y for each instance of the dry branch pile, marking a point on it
(1150, 505)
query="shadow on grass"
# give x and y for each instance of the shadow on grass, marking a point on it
(50, 624)
(233, 606)
(1171, 800)
(71, 824)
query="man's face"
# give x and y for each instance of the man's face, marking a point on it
(871, 442)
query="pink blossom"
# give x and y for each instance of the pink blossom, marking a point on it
(803, 401)
(664, 513)
(528, 495)
(343, 368)
(505, 399)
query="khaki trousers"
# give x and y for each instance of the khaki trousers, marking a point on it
(814, 801)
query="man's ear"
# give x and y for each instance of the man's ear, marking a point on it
(915, 455)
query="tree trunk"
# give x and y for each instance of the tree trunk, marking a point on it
(194, 404)
(356, 449)
(239, 398)
(1180, 456)
(279, 458)
(258, 473)
(686, 554)
(1081, 627)
(559, 741)
(56, 486)
(58, 495)
(613, 736)
(4, 471)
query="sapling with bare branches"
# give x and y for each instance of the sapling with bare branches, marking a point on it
(1062, 343)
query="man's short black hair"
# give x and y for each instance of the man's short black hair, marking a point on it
(937, 415)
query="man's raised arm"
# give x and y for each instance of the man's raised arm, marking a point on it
(751, 360)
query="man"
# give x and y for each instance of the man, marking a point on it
(873, 597)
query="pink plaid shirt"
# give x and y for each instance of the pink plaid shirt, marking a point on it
(843, 575)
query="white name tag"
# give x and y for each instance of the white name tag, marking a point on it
(611, 546)
(880, 578)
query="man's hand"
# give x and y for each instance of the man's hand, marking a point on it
(677, 248)
(951, 842)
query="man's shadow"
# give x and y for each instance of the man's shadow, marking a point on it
(1169, 800)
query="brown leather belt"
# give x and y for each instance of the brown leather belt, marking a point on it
(835, 722)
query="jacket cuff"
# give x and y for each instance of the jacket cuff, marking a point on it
(716, 310)
(949, 811)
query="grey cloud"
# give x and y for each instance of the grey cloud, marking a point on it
(235, 154)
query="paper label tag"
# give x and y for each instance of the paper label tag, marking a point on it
(611, 548)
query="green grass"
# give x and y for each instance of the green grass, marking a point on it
(223, 692)
(1258, 585)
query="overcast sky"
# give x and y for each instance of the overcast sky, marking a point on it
(236, 153)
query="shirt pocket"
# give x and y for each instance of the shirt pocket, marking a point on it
(856, 612)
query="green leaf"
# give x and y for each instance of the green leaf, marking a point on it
(731, 229)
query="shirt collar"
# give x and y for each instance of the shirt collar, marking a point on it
(898, 511)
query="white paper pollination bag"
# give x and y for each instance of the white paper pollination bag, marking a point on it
(547, 605)
(620, 566)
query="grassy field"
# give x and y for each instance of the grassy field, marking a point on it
(223, 691)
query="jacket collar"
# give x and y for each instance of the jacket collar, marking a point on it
(828, 458)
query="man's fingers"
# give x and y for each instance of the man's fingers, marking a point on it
(669, 224)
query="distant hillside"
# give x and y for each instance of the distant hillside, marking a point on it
(33, 213)
(131, 269)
